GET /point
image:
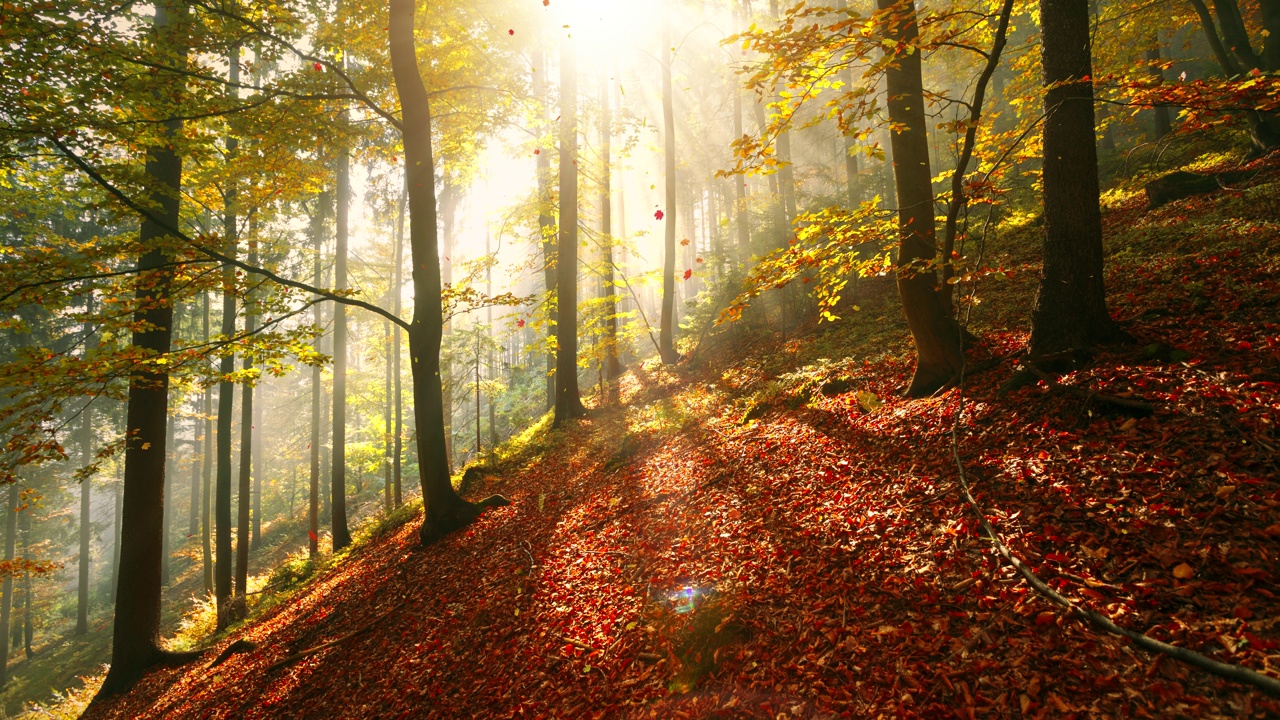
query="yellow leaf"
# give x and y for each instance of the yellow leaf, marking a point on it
(1184, 571)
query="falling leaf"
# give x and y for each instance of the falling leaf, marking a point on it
(657, 215)
(688, 274)
(1184, 571)
(684, 241)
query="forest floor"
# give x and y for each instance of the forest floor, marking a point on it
(777, 533)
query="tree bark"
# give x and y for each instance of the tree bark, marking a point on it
(338, 467)
(317, 391)
(938, 352)
(6, 588)
(397, 292)
(546, 225)
(1161, 122)
(443, 510)
(207, 469)
(245, 486)
(850, 154)
(256, 515)
(611, 367)
(568, 398)
(1070, 311)
(170, 472)
(450, 197)
(86, 507)
(136, 639)
(226, 390)
(666, 331)
(28, 631)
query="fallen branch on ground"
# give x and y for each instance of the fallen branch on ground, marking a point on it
(1136, 406)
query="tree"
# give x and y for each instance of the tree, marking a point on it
(338, 478)
(136, 638)
(443, 510)
(86, 506)
(1233, 49)
(546, 223)
(666, 331)
(6, 592)
(938, 353)
(568, 399)
(1070, 311)
(313, 505)
(611, 367)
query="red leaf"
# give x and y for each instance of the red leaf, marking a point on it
(658, 215)
(688, 274)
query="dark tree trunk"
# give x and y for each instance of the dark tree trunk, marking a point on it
(257, 471)
(398, 288)
(6, 588)
(226, 390)
(86, 515)
(170, 472)
(568, 398)
(136, 639)
(444, 511)
(611, 368)
(28, 631)
(938, 353)
(317, 391)
(450, 197)
(850, 149)
(546, 225)
(207, 469)
(1070, 311)
(1162, 124)
(244, 488)
(338, 467)
(667, 323)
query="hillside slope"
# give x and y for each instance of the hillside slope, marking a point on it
(774, 534)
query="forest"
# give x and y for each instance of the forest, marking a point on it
(667, 359)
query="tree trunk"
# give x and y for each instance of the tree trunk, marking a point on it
(1162, 124)
(317, 391)
(398, 288)
(740, 181)
(386, 425)
(443, 510)
(170, 472)
(136, 640)
(1070, 311)
(338, 466)
(850, 148)
(450, 197)
(6, 592)
(611, 367)
(28, 632)
(244, 489)
(86, 515)
(207, 470)
(257, 471)
(938, 353)
(546, 225)
(666, 331)
(568, 398)
(226, 398)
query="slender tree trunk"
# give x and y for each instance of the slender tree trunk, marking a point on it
(850, 148)
(1070, 311)
(257, 469)
(546, 226)
(317, 391)
(197, 422)
(28, 632)
(226, 398)
(488, 291)
(611, 367)
(117, 498)
(398, 288)
(568, 398)
(386, 425)
(170, 472)
(136, 640)
(86, 515)
(450, 198)
(207, 470)
(6, 591)
(338, 468)
(1162, 125)
(666, 331)
(244, 489)
(938, 354)
(444, 511)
